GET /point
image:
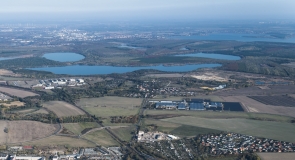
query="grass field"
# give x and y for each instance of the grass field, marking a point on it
(41, 111)
(62, 109)
(185, 130)
(106, 112)
(176, 98)
(163, 126)
(17, 92)
(124, 133)
(110, 101)
(273, 130)
(61, 141)
(76, 128)
(221, 115)
(276, 156)
(105, 107)
(21, 131)
(101, 137)
(178, 129)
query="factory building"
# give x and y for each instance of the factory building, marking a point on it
(196, 106)
(214, 105)
(166, 105)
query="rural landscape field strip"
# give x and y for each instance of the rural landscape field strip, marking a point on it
(256, 128)
(275, 100)
(62, 109)
(17, 92)
(61, 140)
(23, 131)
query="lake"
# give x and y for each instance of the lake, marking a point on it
(211, 55)
(3, 58)
(64, 57)
(92, 70)
(236, 37)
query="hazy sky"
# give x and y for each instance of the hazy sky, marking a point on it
(151, 9)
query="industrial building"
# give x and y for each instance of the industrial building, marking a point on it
(190, 104)
(166, 105)
(196, 106)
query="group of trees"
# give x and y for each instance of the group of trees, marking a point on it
(124, 119)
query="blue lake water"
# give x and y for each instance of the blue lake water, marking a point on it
(3, 58)
(64, 57)
(236, 37)
(92, 70)
(212, 56)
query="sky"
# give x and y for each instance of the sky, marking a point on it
(147, 9)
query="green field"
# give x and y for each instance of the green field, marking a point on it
(185, 130)
(268, 129)
(110, 101)
(163, 126)
(124, 133)
(222, 115)
(177, 98)
(76, 128)
(105, 107)
(106, 112)
(101, 137)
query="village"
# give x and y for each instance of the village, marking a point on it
(223, 144)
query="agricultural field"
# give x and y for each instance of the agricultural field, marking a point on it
(3, 135)
(62, 109)
(178, 98)
(6, 72)
(105, 107)
(187, 131)
(110, 101)
(252, 105)
(124, 133)
(61, 141)
(77, 128)
(41, 111)
(106, 112)
(275, 100)
(17, 92)
(257, 91)
(162, 126)
(14, 103)
(160, 114)
(268, 129)
(101, 137)
(276, 156)
(22, 131)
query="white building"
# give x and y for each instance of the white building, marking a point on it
(80, 80)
